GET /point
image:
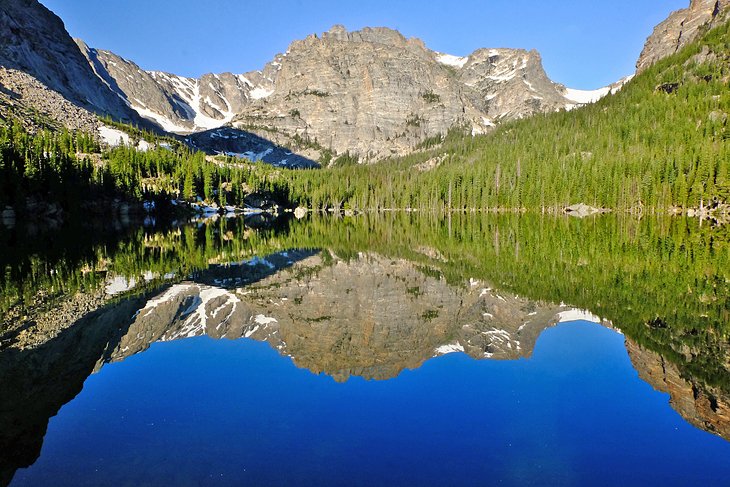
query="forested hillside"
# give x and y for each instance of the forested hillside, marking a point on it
(658, 143)
(70, 169)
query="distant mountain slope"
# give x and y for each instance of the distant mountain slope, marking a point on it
(370, 93)
(658, 145)
(175, 103)
(33, 40)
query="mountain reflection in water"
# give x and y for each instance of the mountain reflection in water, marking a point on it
(380, 296)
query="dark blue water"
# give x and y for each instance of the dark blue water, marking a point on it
(204, 412)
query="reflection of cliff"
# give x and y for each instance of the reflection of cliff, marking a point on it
(37, 378)
(702, 406)
(370, 316)
(367, 316)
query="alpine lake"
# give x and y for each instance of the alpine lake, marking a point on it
(395, 349)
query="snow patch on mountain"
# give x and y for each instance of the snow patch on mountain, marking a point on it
(577, 315)
(451, 60)
(164, 122)
(259, 93)
(115, 137)
(449, 348)
(586, 96)
(197, 101)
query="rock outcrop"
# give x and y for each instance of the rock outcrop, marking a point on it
(681, 28)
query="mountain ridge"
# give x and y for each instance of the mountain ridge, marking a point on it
(681, 28)
(378, 92)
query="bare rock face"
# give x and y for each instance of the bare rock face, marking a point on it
(176, 103)
(703, 406)
(375, 93)
(681, 28)
(34, 41)
(511, 83)
(372, 93)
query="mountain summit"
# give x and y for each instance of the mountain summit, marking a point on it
(681, 28)
(371, 92)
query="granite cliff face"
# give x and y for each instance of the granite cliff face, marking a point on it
(681, 28)
(372, 93)
(375, 93)
(34, 41)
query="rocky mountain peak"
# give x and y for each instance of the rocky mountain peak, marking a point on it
(375, 93)
(372, 92)
(681, 28)
(375, 35)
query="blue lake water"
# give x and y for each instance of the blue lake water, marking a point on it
(202, 412)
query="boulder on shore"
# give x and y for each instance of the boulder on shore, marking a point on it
(7, 217)
(581, 210)
(300, 212)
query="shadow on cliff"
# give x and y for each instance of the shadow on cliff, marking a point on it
(242, 144)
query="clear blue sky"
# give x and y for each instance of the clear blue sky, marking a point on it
(584, 44)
